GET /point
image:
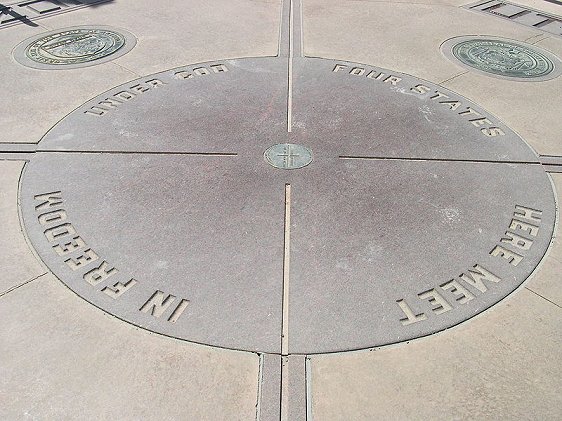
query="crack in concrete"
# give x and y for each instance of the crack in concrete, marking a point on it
(126, 69)
(21, 285)
(453, 77)
(543, 297)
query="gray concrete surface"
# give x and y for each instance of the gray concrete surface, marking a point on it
(63, 360)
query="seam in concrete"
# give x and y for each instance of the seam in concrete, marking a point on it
(21, 285)
(528, 40)
(534, 37)
(553, 156)
(543, 297)
(46, 28)
(260, 382)
(126, 69)
(12, 151)
(551, 163)
(453, 77)
(540, 40)
(284, 411)
(9, 147)
(283, 31)
(300, 29)
(15, 157)
(290, 75)
(139, 152)
(474, 161)
(286, 272)
(552, 168)
(550, 159)
(308, 382)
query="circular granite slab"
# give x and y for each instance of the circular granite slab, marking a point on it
(163, 203)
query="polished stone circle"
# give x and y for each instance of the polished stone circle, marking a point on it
(505, 58)
(74, 47)
(154, 202)
(287, 156)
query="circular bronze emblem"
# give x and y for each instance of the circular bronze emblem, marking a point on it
(74, 47)
(288, 156)
(503, 58)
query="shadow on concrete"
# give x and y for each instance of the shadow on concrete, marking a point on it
(10, 17)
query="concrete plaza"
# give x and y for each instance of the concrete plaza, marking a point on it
(66, 356)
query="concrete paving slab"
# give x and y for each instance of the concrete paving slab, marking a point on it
(373, 32)
(269, 403)
(17, 261)
(546, 281)
(293, 403)
(490, 368)
(62, 359)
(207, 31)
(518, 105)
